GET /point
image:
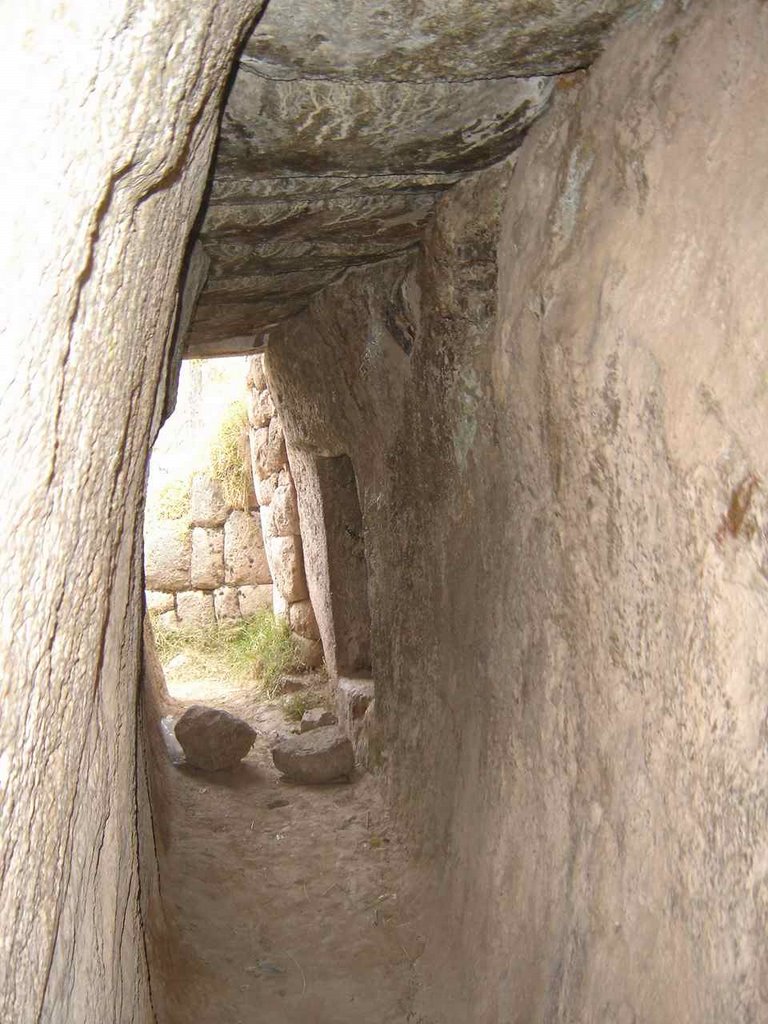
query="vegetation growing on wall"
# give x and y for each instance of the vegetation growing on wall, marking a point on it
(228, 462)
(172, 501)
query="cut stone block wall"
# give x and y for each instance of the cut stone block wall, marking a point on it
(210, 566)
(278, 510)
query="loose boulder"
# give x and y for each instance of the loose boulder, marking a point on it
(212, 739)
(322, 755)
(316, 718)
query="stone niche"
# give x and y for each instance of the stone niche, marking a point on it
(565, 508)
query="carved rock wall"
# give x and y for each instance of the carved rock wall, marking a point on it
(556, 413)
(112, 111)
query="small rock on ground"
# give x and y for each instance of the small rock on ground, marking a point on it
(322, 755)
(315, 718)
(291, 684)
(212, 739)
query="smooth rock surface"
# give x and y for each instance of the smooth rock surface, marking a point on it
(302, 620)
(168, 555)
(158, 602)
(213, 739)
(322, 755)
(207, 565)
(195, 609)
(566, 537)
(286, 564)
(254, 599)
(169, 619)
(109, 119)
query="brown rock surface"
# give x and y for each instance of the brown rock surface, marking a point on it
(406, 103)
(207, 566)
(195, 609)
(207, 504)
(322, 755)
(566, 554)
(254, 598)
(244, 558)
(168, 555)
(287, 567)
(213, 740)
(317, 718)
(226, 603)
(302, 620)
(114, 136)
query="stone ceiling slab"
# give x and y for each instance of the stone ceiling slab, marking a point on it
(424, 40)
(347, 119)
(308, 127)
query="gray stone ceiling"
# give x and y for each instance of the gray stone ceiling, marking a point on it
(347, 118)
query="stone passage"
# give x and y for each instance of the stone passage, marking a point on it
(507, 260)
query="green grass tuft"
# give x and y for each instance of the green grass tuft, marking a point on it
(297, 703)
(255, 650)
(264, 644)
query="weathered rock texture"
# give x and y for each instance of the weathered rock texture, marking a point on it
(565, 515)
(109, 117)
(556, 415)
(321, 755)
(345, 122)
(278, 509)
(213, 739)
(209, 567)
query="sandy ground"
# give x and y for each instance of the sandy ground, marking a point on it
(291, 901)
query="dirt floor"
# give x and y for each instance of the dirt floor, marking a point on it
(290, 900)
